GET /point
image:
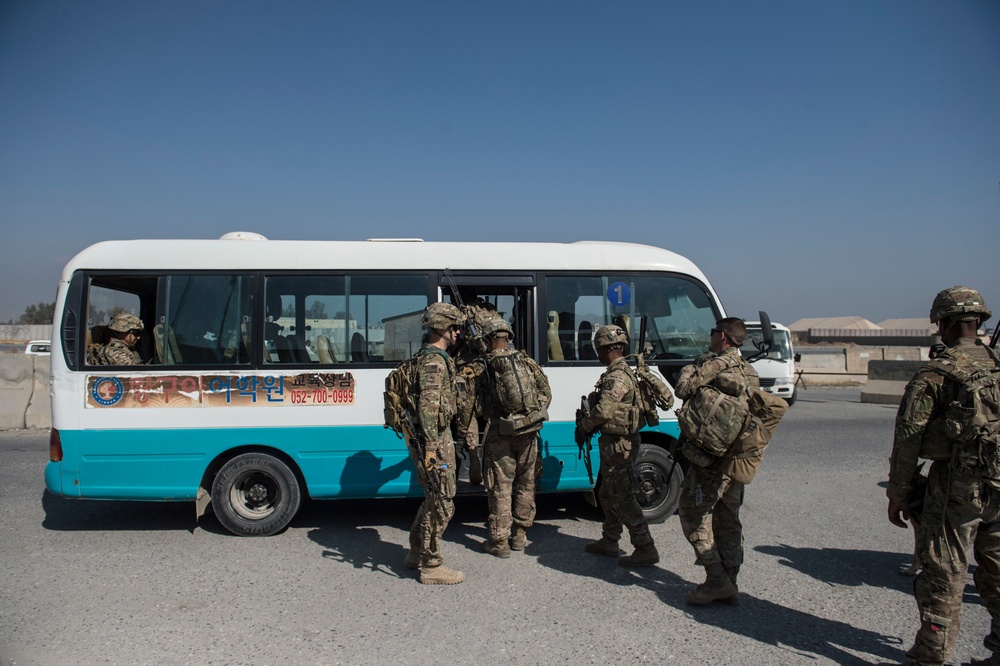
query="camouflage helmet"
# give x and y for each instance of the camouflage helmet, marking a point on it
(439, 316)
(608, 336)
(958, 301)
(123, 322)
(496, 326)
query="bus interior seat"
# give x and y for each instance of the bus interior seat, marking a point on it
(567, 335)
(324, 350)
(552, 335)
(625, 323)
(167, 351)
(586, 338)
(298, 345)
(98, 335)
(359, 351)
(284, 347)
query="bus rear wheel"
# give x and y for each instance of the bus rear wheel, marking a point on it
(657, 483)
(255, 494)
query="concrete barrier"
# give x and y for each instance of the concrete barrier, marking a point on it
(17, 382)
(39, 411)
(887, 380)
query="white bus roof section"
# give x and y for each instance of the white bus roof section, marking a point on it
(775, 325)
(172, 254)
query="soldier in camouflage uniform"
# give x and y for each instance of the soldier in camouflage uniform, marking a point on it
(962, 500)
(125, 330)
(509, 458)
(434, 455)
(616, 414)
(469, 364)
(710, 502)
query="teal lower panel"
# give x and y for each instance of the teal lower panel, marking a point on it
(336, 462)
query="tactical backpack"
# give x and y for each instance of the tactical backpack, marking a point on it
(973, 418)
(745, 455)
(402, 389)
(713, 417)
(513, 380)
(652, 393)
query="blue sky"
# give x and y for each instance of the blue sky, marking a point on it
(813, 158)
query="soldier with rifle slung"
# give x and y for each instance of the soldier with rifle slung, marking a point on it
(433, 450)
(616, 414)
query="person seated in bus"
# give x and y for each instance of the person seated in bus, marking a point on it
(125, 330)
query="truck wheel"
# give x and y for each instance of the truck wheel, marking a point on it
(255, 494)
(657, 483)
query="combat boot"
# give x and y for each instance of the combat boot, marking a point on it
(412, 560)
(643, 556)
(475, 468)
(497, 548)
(604, 546)
(440, 575)
(717, 587)
(519, 539)
(987, 661)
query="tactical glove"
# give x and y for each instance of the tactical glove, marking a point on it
(430, 460)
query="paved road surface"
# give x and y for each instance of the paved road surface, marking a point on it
(122, 583)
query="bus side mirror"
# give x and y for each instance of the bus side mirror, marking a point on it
(766, 332)
(798, 357)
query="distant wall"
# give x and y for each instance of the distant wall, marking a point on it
(849, 366)
(867, 337)
(11, 333)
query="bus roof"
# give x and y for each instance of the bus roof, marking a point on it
(775, 325)
(260, 254)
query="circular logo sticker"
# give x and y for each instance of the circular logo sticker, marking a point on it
(107, 390)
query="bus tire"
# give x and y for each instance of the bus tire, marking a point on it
(255, 494)
(657, 483)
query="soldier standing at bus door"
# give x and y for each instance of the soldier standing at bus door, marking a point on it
(615, 414)
(436, 459)
(512, 396)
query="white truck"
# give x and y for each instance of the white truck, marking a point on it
(776, 368)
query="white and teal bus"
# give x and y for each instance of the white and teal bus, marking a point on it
(265, 362)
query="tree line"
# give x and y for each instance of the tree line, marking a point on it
(41, 313)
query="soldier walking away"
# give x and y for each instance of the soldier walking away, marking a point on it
(951, 416)
(125, 331)
(513, 396)
(615, 413)
(433, 451)
(710, 502)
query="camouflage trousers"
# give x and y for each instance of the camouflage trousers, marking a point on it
(438, 506)
(510, 482)
(616, 494)
(709, 512)
(960, 512)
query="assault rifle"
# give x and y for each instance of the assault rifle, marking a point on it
(583, 439)
(470, 325)
(413, 439)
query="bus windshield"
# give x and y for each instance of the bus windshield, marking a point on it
(780, 351)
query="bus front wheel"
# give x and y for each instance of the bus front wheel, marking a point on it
(657, 483)
(255, 494)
